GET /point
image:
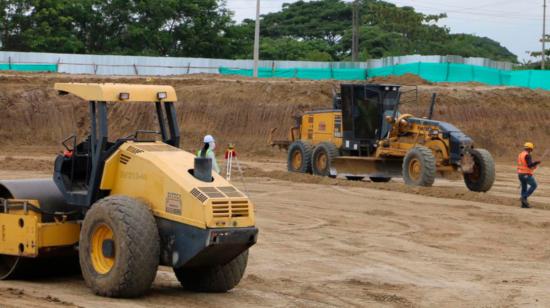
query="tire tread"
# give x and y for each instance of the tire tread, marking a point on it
(138, 234)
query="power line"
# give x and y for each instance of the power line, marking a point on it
(462, 10)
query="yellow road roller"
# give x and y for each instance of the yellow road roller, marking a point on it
(119, 208)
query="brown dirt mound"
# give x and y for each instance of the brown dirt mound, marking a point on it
(243, 111)
(406, 79)
(26, 164)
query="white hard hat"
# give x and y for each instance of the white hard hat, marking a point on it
(208, 139)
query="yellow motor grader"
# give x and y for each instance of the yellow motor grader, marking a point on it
(121, 207)
(365, 135)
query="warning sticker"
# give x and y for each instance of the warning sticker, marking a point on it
(173, 203)
(322, 126)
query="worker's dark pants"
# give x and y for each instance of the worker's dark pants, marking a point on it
(528, 185)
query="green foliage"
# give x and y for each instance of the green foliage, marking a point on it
(291, 49)
(139, 27)
(386, 30)
(317, 30)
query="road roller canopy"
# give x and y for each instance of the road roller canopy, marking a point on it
(118, 92)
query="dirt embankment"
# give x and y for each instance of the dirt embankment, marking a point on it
(243, 110)
(233, 110)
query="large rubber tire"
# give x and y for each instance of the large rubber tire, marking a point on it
(299, 157)
(354, 178)
(380, 179)
(215, 279)
(136, 247)
(321, 159)
(483, 177)
(419, 167)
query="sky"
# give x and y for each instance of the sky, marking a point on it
(516, 24)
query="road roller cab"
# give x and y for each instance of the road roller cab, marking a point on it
(130, 204)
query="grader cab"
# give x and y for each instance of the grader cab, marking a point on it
(365, 135)
(122, 207)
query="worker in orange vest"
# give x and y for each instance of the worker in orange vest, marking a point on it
(526, 169)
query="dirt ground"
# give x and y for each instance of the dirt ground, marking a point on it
(327, 243)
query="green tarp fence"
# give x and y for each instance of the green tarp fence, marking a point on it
(301, 73)
(28, 67)
(434, 72)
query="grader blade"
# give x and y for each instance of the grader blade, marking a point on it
(366, 166)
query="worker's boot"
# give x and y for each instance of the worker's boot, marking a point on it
(524, 203)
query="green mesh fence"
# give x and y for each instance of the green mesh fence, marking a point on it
(28, 67)
(301, 73)
(434, 72)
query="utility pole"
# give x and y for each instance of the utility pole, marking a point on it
(257, 40)
(355, 31)
(543, 62)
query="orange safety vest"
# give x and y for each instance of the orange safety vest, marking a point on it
(522, 164)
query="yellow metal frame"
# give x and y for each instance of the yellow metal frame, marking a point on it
(23, 234)
(405, 135)
(158, 174)
(101, 263)
(110, 92)
(322, 126)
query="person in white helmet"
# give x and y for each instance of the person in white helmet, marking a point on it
(208, 151)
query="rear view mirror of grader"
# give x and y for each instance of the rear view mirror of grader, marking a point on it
(366, 136)
(119, 209)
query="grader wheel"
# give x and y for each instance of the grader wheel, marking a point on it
(299, 157)
(419, 167)
(322, 157)
(483, 175)
(119, 247)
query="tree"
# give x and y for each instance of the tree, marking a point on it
(291, 49)
(386, 30)
(316, 20)
(312, 30)
(143, 27)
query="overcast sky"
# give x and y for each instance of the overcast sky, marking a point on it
(516, 24)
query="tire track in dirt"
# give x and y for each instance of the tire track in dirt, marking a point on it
(15, 297)
(435, 191)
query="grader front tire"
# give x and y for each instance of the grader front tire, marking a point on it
(119, 247)
(215, 279)
(483, 176)
(419, 167)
